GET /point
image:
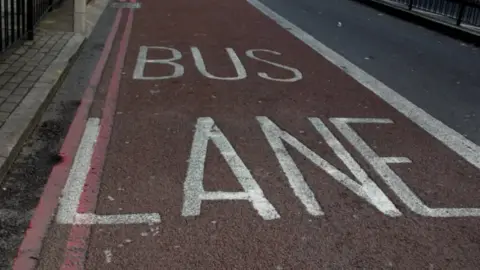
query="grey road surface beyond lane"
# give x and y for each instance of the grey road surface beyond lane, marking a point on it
(437, 73)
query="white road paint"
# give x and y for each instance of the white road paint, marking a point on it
(155, 230)
(67, 211)
(452, 139)
(297, 75)
(142, 60)
(139, 72)
(240, 69)
(367, 189)
(89, 219)
(194, 192)
(78, 173)
(206, 131)
(295, 178)
(108, 255)
(396, 160)
(380, 164)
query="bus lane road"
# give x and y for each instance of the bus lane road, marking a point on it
(235, 144)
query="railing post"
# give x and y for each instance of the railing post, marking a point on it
(410, 4)
(30, 19)
(460, 14)
(3, 38)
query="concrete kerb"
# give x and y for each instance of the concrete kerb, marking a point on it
(25, 118)
(93, 12)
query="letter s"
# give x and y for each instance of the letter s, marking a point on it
(297, 74)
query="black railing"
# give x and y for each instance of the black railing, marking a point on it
(19, 19)
(461, 11)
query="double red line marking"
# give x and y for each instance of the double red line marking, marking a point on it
(29, 251)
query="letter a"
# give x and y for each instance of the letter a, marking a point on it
(194, 192)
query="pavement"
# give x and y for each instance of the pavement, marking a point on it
(31, 73)
(232, 139)
(28, 78)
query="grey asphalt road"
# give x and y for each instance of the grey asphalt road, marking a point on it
(439, 74)
(23, 185)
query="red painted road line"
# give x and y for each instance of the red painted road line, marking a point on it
(98, 72)
(74, 258)
(29, 250)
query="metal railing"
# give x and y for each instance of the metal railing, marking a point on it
(462, 11)
(19, 19)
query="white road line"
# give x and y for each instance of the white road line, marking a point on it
(241, 72)
(452, 139)
(76, 179)
(368, 187)
(380, 165)
(67, 212)
(194, 192)
(89, 219)
(364, 187)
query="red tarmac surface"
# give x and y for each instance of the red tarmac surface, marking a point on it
(147, 150)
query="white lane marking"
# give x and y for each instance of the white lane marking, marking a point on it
(297, 75)
(194, 192)
(396, 160)
(274, 136)
(455, 141)
(67, 211)
(241, 72)
(380, 164)
(142, 60)
(367, 189)
(76, 179)
(89, 219)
